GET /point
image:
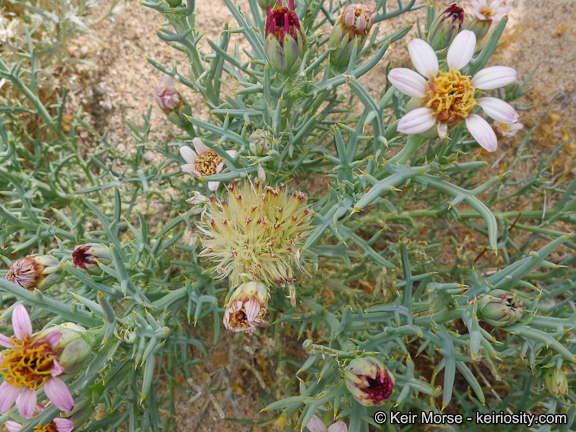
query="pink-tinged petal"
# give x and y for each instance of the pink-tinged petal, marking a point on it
(494, 4)
(232, 153)
(8, 395)
(474, 4)
(21, 323)
(408, 82)
(13, 426)
(57, 369)
(252, 309)
(442, 130)
(188, 154)
(220, 167)
(417, 121)
(59, 394)
(63, 425)
(54, 338)
(338, 427)
(494, 77)
(191, 169)
(40, 408)
(168, 82)
(6, 342)
(423, 57)
(226, 319)
(200, 146)
(461, 50)
(498, 109)
(235, 306)
(27, 402)
(482, 132)
(213, 185)
(316, 425)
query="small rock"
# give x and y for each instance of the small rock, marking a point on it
(149, 156)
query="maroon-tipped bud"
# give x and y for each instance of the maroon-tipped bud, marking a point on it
(445, 27)
(88, 256)
(285, 42)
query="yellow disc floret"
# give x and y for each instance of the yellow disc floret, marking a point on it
(450, 96)
(28, 364)
(206, 163)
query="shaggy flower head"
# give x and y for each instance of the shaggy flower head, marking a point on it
(493, 12)
(35, 271)
(29, 364)
(317, 425)
(508, 130)
(203, 161)
(369, 381)
(256, 230)
(246, 307)
(353, 26)
(448, 98)
(87, 257)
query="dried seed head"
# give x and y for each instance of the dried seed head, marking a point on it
(261, 233)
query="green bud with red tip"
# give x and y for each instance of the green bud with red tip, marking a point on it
(445, 27)
(285, 41)
(369, 381)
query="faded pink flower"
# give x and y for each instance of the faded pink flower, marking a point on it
(203, 161)
(317, 425)
(246, 307)
(167, 96)
(56, 425)
(447, 98)
(34, 271)
(29, 364)
(493, 12)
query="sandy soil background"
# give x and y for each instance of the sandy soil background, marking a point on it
(120, 88)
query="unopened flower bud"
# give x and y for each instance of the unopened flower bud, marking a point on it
(34, 271)
(500, 308)
(353, 26)
(74, 346)
(479, 27)
(285, 39)
(246, 307)
(556, 382)
(260, 142)
(172, 102)
(445, 27)
(369, 381)
(88, 256)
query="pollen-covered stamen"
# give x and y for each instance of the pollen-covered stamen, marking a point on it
(28, 365)
(207, 163)
(450, 95)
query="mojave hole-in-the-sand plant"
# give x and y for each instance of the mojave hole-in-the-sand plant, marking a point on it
(293, 207)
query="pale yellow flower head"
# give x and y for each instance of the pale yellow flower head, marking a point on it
(257, 230)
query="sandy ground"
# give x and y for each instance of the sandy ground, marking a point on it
(121, 89)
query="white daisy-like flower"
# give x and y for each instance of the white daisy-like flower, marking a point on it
(446, 98)
(203, 161)
(483, 12)
(508, 130)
